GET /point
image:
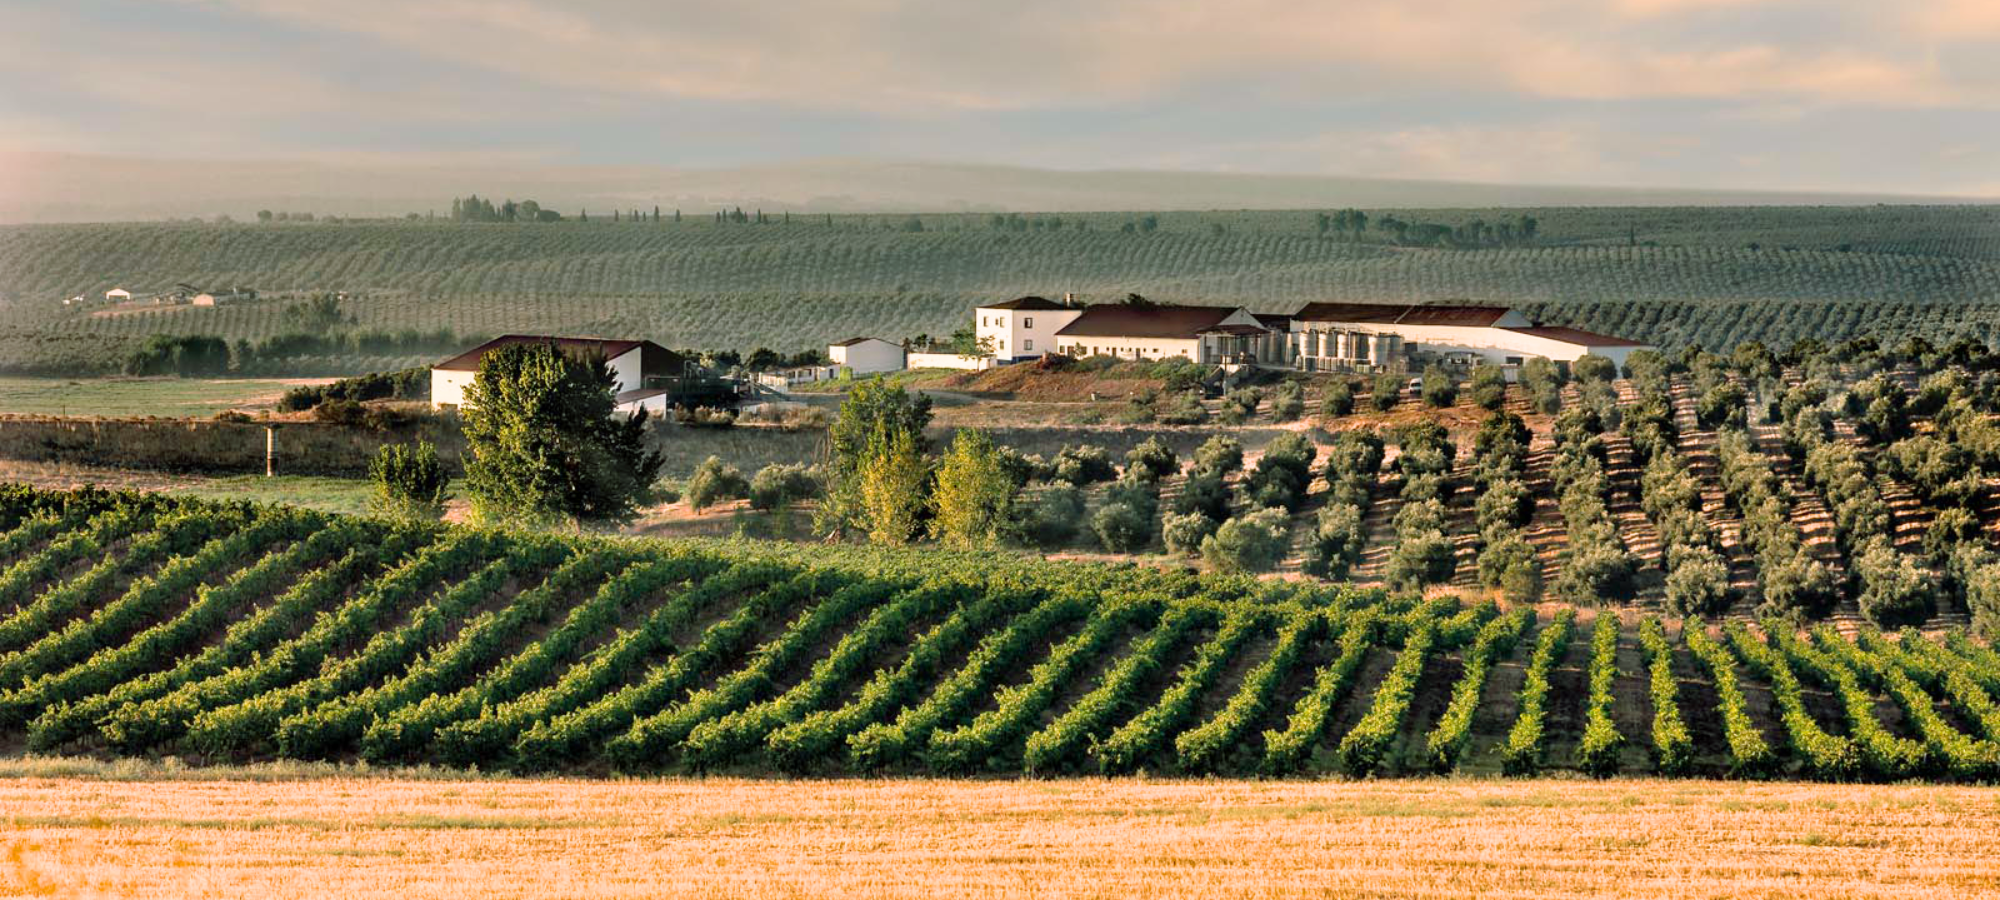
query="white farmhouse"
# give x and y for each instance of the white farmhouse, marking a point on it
(1217, 335)
(1347, 336)
(117, 295)
(867, 355)
(645, 375)
(1024, 328)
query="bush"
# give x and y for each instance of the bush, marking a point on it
(1083, 466)
(1203, 493)
(1122, 527)
(1049, 521)
(1894, 592)
(1725, 404)
(1489, 386)
(1251, 543)
(1184, 408)
(1386, 392)
(1600, 573)
(1152, 460)
(1337, 541)
(1288, 401)
(1508, 563)
(714, 482)
(1184, 532)
(1698, 585)
(1337, 400)
(780, 484)
(1421, 558)
(1239, 405)
(409, 482)
(1439, 389)
(1504, 502)
(1592, 367)
(1219, 455)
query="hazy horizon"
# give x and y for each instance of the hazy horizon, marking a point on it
(618, 100)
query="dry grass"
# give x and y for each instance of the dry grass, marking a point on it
(412, 839)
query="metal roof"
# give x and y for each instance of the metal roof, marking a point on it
(1028, 303)
(1576, 336)
(1402, 314)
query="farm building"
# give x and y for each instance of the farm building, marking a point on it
(1342, 336)
(867, 355)
(117, 295)
(645, 375)
(1218, 335)
(1321, 337)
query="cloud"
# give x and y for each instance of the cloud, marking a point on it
(917, 56)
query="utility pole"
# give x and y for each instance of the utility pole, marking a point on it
(270, 451)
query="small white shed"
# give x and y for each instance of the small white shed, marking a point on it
(117, 295)
(866, 355)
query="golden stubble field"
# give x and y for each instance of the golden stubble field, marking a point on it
(415, 839)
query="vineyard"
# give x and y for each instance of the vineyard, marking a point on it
(141, 625)
(1711, 276)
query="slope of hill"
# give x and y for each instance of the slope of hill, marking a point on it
(1672, 275)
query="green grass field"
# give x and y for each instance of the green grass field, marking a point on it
(1671, 275)
(164, 397)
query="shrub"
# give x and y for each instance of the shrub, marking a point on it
(1599, 573)
(1386, 392)
(1725, 404)
(1337, 540)
(1049, 521)
(1421, 558)
(715, 482)
(1151, 460)
(1439, 389)
(1894, 592)
(1084, 465)
(1592, 367)
(1183, 408)
(1489, 386)
(409, 482)
(1184, 532)
(1698, 585)
(1219, 455)
(1288, 401)
(1205, 494)
(782, 484)
(1504, 502)
(1122, 527)
(1337, 400)
(1250, 543)
(1508, 563)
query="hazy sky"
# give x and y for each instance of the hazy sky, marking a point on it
(1851, 95)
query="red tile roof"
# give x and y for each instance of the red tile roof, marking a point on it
(1401, 314)
(1576, 336)
(1027, 303)
(609, 349)
(1153, 321)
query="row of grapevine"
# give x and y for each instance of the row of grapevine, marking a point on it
(271, 633)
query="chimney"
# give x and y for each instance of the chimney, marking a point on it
(1069, 298)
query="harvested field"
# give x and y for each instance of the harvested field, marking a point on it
(413, 839)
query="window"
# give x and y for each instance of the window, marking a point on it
(1003, 343)
(1027, 346)
(1028, 322)
(1513, 360)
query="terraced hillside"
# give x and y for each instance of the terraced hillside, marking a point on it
(1713, 276)
(139, 625)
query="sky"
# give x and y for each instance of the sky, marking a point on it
(1874, 96)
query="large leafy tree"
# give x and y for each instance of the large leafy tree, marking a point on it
(871, 406)
(974, 492)
(545, 445)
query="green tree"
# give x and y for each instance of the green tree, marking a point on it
(544, 443)
(871, 405)
(409, 482)
(892, 486)
(975, 492)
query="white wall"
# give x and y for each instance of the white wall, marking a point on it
(868, 357)
(947, 361)
(1019, 333)
(448, 387)
(1132, 348)
(1496, 345)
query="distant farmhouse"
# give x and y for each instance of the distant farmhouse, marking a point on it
(867, 355)
(1321, 337)
(645, 375)
(117, 295)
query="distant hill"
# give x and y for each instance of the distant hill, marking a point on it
(53, 187)
(1670, 275)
